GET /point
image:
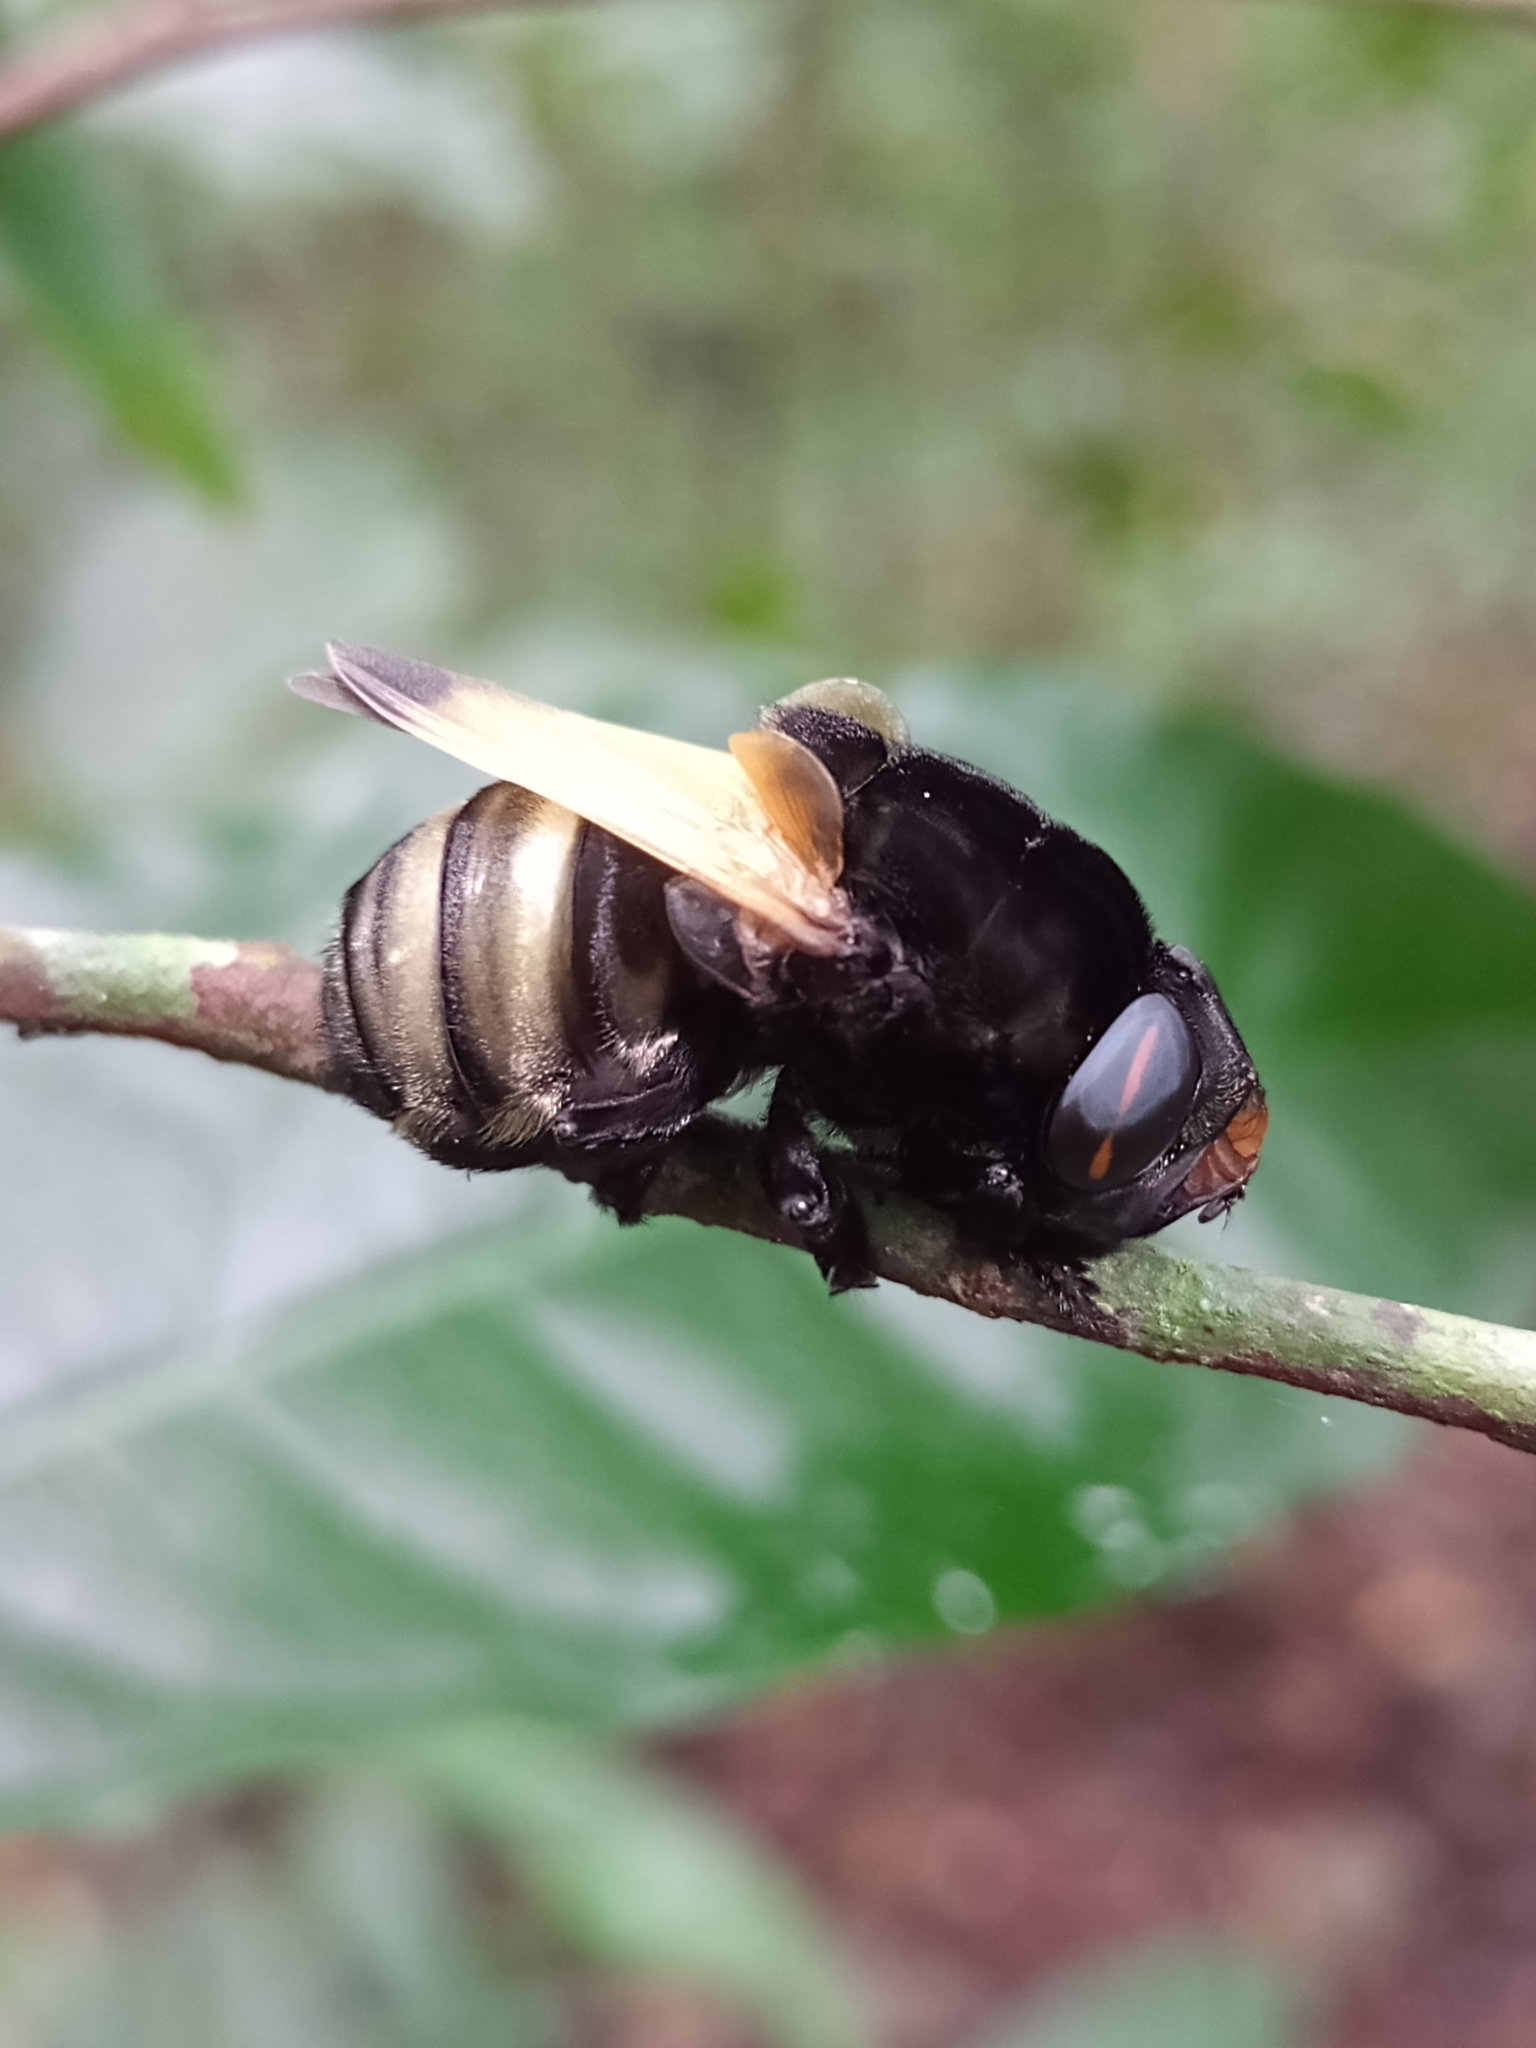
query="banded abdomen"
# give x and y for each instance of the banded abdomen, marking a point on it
(505, 990)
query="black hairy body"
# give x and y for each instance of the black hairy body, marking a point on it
(513, 985)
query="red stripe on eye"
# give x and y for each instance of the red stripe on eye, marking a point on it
(1101, 1160)
(1138, 1068)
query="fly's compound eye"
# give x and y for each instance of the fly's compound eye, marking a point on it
(1127, 1101)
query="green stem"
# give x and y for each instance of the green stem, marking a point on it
(260, 1005)
(254, 1003)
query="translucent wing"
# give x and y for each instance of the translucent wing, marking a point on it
(691, 808)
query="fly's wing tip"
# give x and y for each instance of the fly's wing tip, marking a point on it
(328, 690)
(370, 670)
(366, 682)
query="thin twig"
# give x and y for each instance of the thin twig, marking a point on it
(103, 54)
(255, 1003)
(260, 1005)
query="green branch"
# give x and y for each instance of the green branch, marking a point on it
(260, 1005)
(254, 1003)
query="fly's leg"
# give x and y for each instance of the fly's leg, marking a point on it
(809, 1195)
(794, 1176)
(618, 1177)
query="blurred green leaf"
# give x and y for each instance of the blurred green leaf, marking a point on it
(336, 1919)
(640, 1874)
(89, 287)
(1354, 398)
(1189, 1993)
(574, 1473)
(362, 1908)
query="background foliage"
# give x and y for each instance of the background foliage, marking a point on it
(1131, 389)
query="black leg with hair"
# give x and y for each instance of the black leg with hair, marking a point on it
(809, 1194)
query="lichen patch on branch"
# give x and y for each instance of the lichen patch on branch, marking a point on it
(255, 1003)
